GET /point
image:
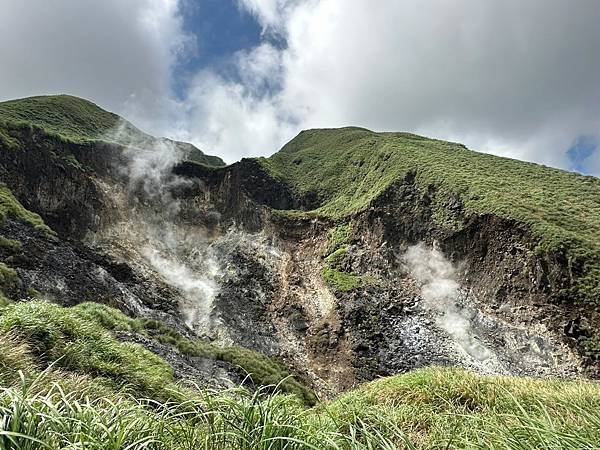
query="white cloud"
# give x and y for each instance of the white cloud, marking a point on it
(270, 13)
(117, 53)
(238, 118)
(513, 78)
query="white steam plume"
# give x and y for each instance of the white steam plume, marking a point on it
(441, 293)
(153, 228)
(199, 290)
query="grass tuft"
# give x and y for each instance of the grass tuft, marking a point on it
(68, 338)
(10, 207)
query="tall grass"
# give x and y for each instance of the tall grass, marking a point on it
(36, 417)
(36, 413)
(65, 383)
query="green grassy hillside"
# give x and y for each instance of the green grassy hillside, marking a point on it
(78, 120)
(346, 169)
(71, 117)
(65, 382)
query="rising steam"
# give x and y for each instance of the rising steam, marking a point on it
(441, 293)
(164, 244)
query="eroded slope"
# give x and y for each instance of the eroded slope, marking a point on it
(348, 255)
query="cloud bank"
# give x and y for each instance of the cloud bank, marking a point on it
(513, 78)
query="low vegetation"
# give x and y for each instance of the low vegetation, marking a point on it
(70, 339)
(334, 270)
(10, 207)
(79, 340)
(261, 370)
(428, 408)
(452, 408)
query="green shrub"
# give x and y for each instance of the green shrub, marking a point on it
(10, 283)
(341, 281)
(9, 245)
(336, 254)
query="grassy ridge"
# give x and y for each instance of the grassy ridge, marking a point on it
(71, 117)
(443, 406)
(346, 169)
(77, 120)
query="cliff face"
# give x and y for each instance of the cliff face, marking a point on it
(243, 254)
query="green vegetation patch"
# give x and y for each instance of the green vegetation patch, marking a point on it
(452, 408)
(68, 338)
(426, 409)
(262, 370)
(7, 139)
(10, 207)
(337, 237)
(336, 254)
(341, 281)
(100, 319)
(10, 245)
(9, 283)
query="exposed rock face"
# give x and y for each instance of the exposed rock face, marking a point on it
(206, 253)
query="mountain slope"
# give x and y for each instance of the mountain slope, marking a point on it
(71, 117)
(343, 171)
(323, 255)
(79, 120)
(346, 257)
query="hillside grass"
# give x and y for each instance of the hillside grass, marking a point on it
(66, 383)
(79, 339)
(347, 169)
(335, 257)
(75, 120)
(446, 406)
(432, 408)
(11, 207)
(71, 117)
(72, 340)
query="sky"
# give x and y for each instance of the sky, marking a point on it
(240, 78)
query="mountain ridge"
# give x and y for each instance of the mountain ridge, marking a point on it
(344, 170)
(363, 272)
(79, 120)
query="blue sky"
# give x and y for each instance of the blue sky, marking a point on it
(220, 28)
(580, 154)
